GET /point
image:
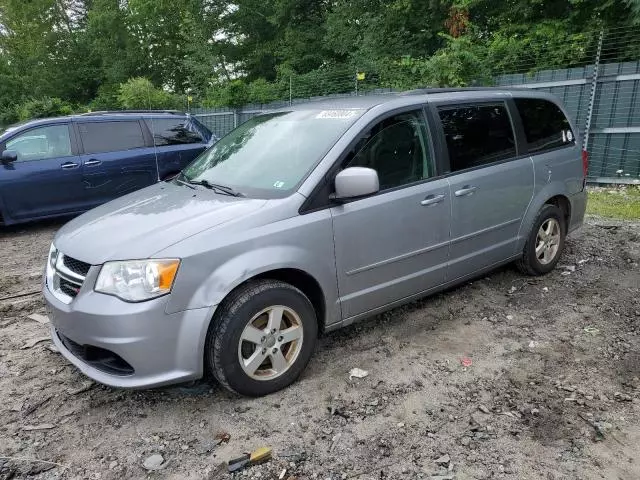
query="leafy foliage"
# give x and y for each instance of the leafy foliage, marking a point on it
(96, 52)
(43, 107)
(139, 93)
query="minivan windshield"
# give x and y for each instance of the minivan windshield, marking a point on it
(271, 154)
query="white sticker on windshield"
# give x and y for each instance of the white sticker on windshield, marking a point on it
(278, 184)
(337, 114)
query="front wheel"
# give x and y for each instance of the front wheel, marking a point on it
(545, 243)
(262, 338)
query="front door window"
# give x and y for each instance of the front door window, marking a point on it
(52, 141)
(397, 149)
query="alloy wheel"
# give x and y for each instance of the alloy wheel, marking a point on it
(270, 342)
(548, 241)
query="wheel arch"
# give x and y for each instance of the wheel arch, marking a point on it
(295, 277)
(552, 194)
(564, 204)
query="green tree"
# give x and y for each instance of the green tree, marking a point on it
(139, 93)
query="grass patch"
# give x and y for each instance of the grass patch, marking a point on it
(622, 203)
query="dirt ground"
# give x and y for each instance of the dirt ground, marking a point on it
(553, 391)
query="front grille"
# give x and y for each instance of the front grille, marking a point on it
(99, 358)
(65, 276)
(76, 266)
(69, 288)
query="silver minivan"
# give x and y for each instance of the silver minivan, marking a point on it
(304, 220)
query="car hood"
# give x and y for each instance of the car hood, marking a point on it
(147, 221)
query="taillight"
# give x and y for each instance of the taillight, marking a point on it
(585, 162)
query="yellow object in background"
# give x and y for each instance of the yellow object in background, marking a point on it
(260, 455)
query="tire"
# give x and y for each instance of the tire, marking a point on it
(530, 263)
(241, 331)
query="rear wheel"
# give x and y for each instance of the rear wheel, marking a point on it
(262, 338)
(545, 243)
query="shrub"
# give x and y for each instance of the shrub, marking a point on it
(231, 94)
(42, 108)
(140, 93)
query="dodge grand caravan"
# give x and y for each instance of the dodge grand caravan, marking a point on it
(305, 220)
(64, 166)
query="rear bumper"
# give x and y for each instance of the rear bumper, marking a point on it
(129, 345)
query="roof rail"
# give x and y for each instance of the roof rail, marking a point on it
(433, 90)
(126, 112)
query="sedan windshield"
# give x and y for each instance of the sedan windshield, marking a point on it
(270, 155)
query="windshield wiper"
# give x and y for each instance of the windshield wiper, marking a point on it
(186, 184)
(214, 186)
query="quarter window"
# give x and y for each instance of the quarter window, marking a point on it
(173, 131)
(41, 143)
(99, 137)
(397, 148)
(545, 126)
(477, 135)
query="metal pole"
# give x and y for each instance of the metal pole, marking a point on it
(290, 90)
(592, 97)
(235, 117)
(356, 83)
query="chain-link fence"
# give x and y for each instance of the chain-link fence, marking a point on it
(596, 74)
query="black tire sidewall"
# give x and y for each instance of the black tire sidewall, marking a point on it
(549, 211)
(228, 343)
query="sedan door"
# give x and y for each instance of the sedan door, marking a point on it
(394, 244)
(46, 178)
(491, 185)
(117, 159)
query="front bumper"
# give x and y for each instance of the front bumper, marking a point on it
(129, 345)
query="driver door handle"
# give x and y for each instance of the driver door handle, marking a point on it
(466, 190)
(432, 200)
(68, 165)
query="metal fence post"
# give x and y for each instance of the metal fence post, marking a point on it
(290, 90)
(235, 117)
(592, 97)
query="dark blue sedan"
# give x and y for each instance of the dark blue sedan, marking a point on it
(65, 166)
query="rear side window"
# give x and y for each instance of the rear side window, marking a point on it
(173, 131)
(477, 135)
(99, 137)
(545, 126)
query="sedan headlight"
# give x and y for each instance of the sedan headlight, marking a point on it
(137, 280)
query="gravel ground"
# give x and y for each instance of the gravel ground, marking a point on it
(552, 391)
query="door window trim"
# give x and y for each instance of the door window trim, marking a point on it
(518, 133)
(72, 138)
(319, 198)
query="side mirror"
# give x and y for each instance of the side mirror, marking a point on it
(356, 182)
(9, 156)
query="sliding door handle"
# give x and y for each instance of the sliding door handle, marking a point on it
(432, 200)
(466, 190)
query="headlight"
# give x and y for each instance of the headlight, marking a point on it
(137, 280)
(52, 258)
